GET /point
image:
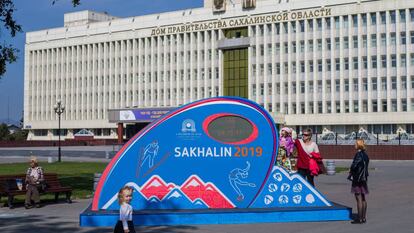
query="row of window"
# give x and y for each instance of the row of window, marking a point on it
(347, 20)
(354, 63)
(346, 42)
(376, 84)
(335, 107)
(348, 129)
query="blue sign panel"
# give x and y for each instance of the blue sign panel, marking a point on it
(213, 153)
(147, 114)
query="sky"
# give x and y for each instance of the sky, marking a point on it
(42, 14)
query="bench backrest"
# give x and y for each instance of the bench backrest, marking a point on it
(51, 180)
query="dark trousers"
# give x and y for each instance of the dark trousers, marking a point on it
(120, 229)
(305, 173)
(32, 193)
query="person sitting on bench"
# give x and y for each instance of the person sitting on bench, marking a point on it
(34, 179)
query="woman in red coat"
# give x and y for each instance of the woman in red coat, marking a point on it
(307, 150)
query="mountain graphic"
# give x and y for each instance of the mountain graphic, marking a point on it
(138, 200)
(199, 204)
(156, 186)
(194, 187)
(288, 190)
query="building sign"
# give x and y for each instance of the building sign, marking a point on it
(147, 114)
(241, 22)
(213, 153)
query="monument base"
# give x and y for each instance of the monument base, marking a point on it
(104, 218)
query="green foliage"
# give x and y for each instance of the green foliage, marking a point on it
(4, 132)
(8, 54)
(78, 175)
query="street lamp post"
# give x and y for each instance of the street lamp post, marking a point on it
(59, 109)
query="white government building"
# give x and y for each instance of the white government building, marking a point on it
(340, 65)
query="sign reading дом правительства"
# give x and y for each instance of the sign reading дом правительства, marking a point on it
(213, 153)
(243, 21)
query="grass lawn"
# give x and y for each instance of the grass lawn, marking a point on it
(78, 175)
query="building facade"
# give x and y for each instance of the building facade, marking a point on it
(340, 65)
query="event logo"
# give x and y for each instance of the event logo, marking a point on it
(188, 126)
(188, 131)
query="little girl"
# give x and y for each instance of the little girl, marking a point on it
(286, 145)
(125, 224)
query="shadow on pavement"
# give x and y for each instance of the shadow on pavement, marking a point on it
(40, 224)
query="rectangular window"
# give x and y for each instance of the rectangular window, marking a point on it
(412, 15)
(302, 67)
(337, 43)
(337, 85)
(384, 61)
(365, 62)
(393, 38)
(374, 40)
(346, 85)
(403, 82)
(328, 64)
(355, 20)
(403, 38)
(346, 63)
(374, 106)
(383, 39)
(337, 64)
(319, 41)
(364, 20)
(402, 15)
(302, 26)
(393, 60)
(364, 41)
(365, 84)
(320, 65)
(403, 59)
(346, 42)
(383, 17)
(355, 40)
(373, 18)
(355, 63)
(337, 22)
(328, 44)
(374, 62)
(355, 81)
(374, 83)
(392, 16)
(394, 83)
(412, 37)
(384, 83)
(328, 23)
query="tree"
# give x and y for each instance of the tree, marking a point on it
(8, 53)
(4, 132)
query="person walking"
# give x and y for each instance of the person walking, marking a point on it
(125, 224)
(306, 150)
(358, 173)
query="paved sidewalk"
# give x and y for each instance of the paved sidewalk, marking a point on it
(390, 209)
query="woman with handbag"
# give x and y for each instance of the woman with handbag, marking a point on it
(358, 173)
(34, 180)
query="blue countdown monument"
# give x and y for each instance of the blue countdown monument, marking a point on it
(208, 162)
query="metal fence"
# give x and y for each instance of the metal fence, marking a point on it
(370, 139)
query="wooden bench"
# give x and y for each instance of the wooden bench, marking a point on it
(51, 179)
